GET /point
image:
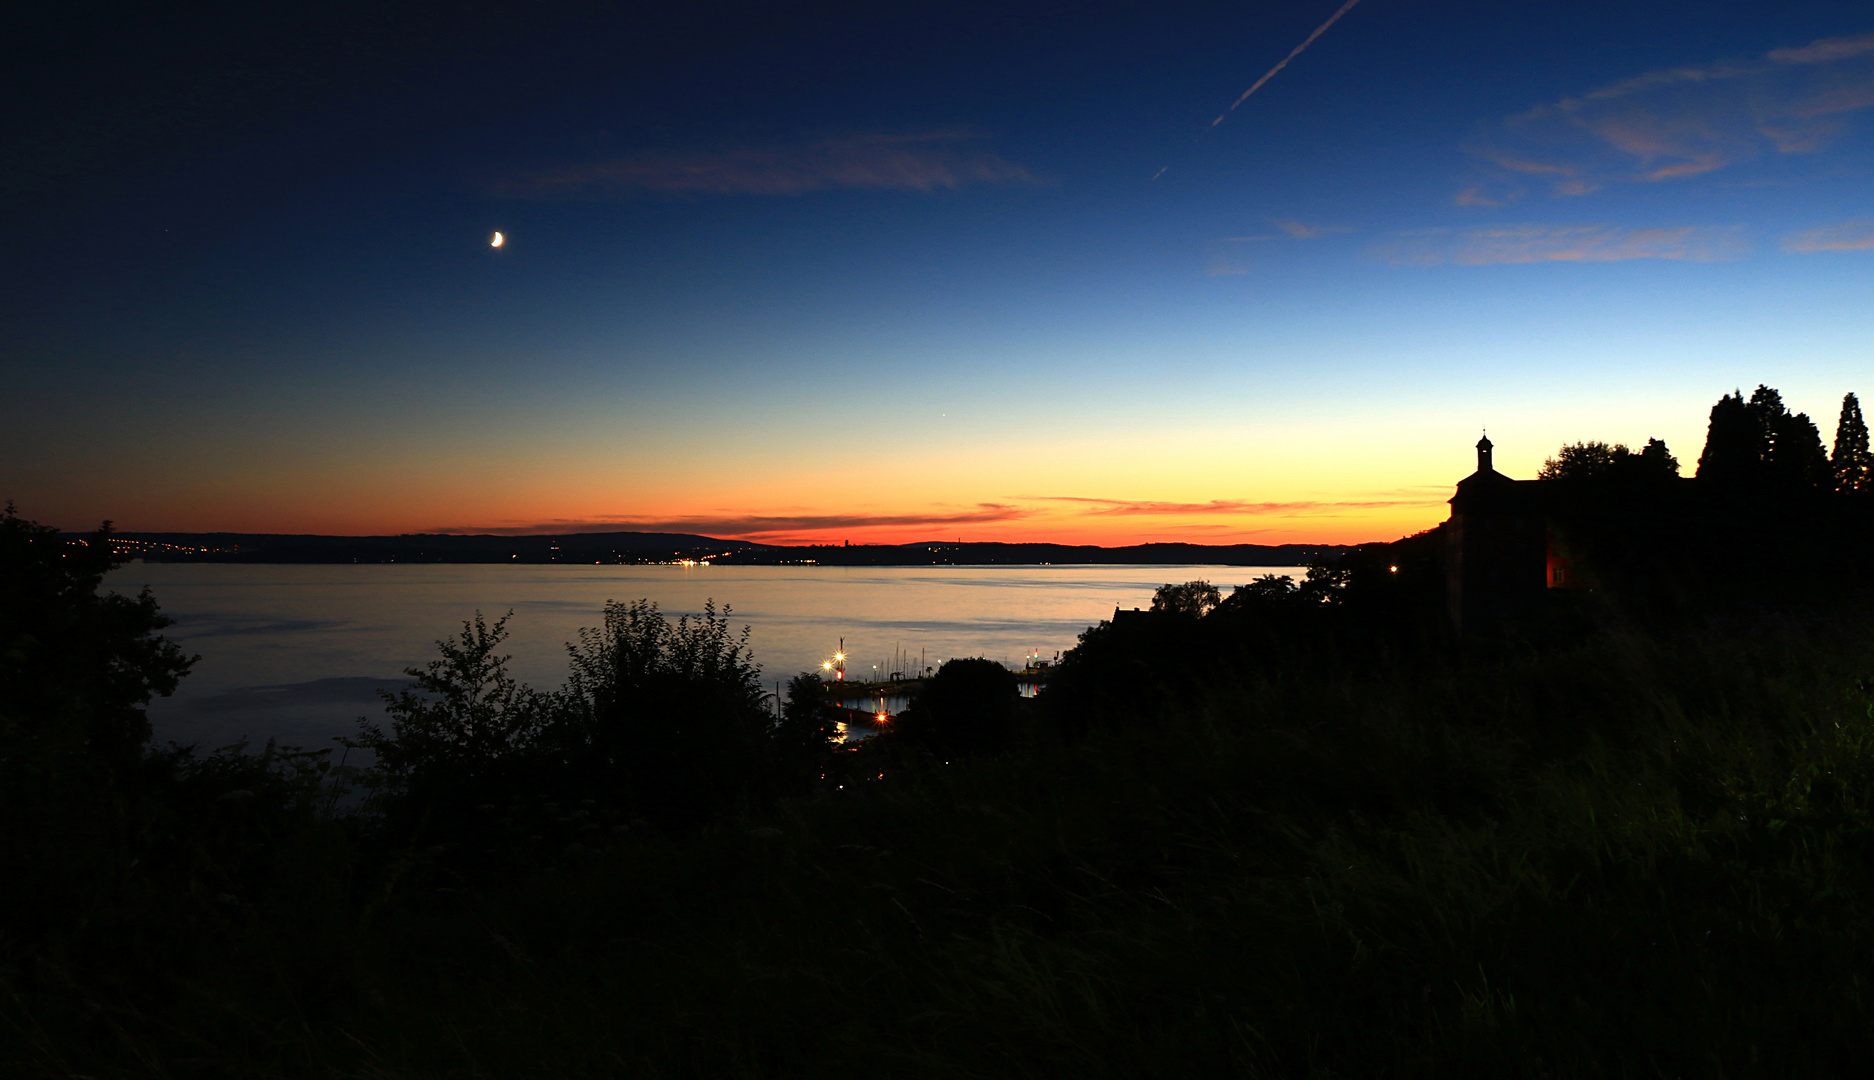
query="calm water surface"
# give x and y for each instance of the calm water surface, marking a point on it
(298, 653)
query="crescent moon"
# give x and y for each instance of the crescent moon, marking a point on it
(498, 240)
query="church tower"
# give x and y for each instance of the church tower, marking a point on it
(1496, 546)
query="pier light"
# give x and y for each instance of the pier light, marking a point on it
(826, 665)
(839, 656)
(881, 717)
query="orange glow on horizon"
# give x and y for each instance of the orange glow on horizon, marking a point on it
(1105, 524)
(1291, 485)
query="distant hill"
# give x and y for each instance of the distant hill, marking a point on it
(628, 547)
(937, 553)
(639, 547)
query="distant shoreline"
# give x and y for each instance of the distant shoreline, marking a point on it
(630, 548)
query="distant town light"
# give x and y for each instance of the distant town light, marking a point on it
(1394, 569)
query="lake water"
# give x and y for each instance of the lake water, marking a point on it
(298, 653)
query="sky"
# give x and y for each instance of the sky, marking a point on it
(888, 273)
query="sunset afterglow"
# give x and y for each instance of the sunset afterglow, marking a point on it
(979, 293)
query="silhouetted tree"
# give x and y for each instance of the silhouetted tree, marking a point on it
(1582, 461)
(968, 707)
(1761, 442)
(1796, 460)
(1601, 462)
(1765, 405)
(1657, 461)
(1267, 588)
(77, 667)
(1734, 443)
(1325, 582)
(807, 727)
(670, 716)
(1194, 598)
(1852, 465)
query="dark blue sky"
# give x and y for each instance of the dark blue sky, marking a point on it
(820, 270)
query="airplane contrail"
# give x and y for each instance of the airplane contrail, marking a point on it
(1270, 74)
(1322, 29)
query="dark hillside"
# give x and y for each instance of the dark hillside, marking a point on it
(1303, 830)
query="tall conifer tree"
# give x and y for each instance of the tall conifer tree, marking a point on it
(1733, 442)
(1852, 464)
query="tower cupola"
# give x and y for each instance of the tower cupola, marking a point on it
(1483, 456)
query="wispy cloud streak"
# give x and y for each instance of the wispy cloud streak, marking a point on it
(1135, 507)
(1270, 74)
(1302, 231)
(1846, 236)
(749, 526)
(1515, 244)
(1683, 122)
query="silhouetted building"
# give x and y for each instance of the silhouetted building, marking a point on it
(1498, 557)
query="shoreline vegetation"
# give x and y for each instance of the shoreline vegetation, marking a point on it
(1305, 829)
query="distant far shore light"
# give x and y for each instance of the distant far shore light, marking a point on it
(497, 240)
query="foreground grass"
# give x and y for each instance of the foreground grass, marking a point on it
(1637, 855)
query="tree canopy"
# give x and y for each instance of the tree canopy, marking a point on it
(1761, 443)
(1603, 461)
(1194, 598)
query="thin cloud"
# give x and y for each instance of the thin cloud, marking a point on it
(1516, 244)
(1472, 196)
(1301, 231)
(1826, 50)
(1846, 236)
(1684, 122)
(924, 162)
(1135, 507)
(1223, 263)
(751, 526)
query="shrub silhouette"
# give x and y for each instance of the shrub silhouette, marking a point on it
(464, 723)
(670, 717)
(659, 718)
(807, 725)
(969, 707)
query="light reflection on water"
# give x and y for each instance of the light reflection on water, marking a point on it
(299, 652)
(893, 704)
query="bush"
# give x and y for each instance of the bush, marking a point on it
(669, 717)
(464, 727)
(808, 726)
(968, 708)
